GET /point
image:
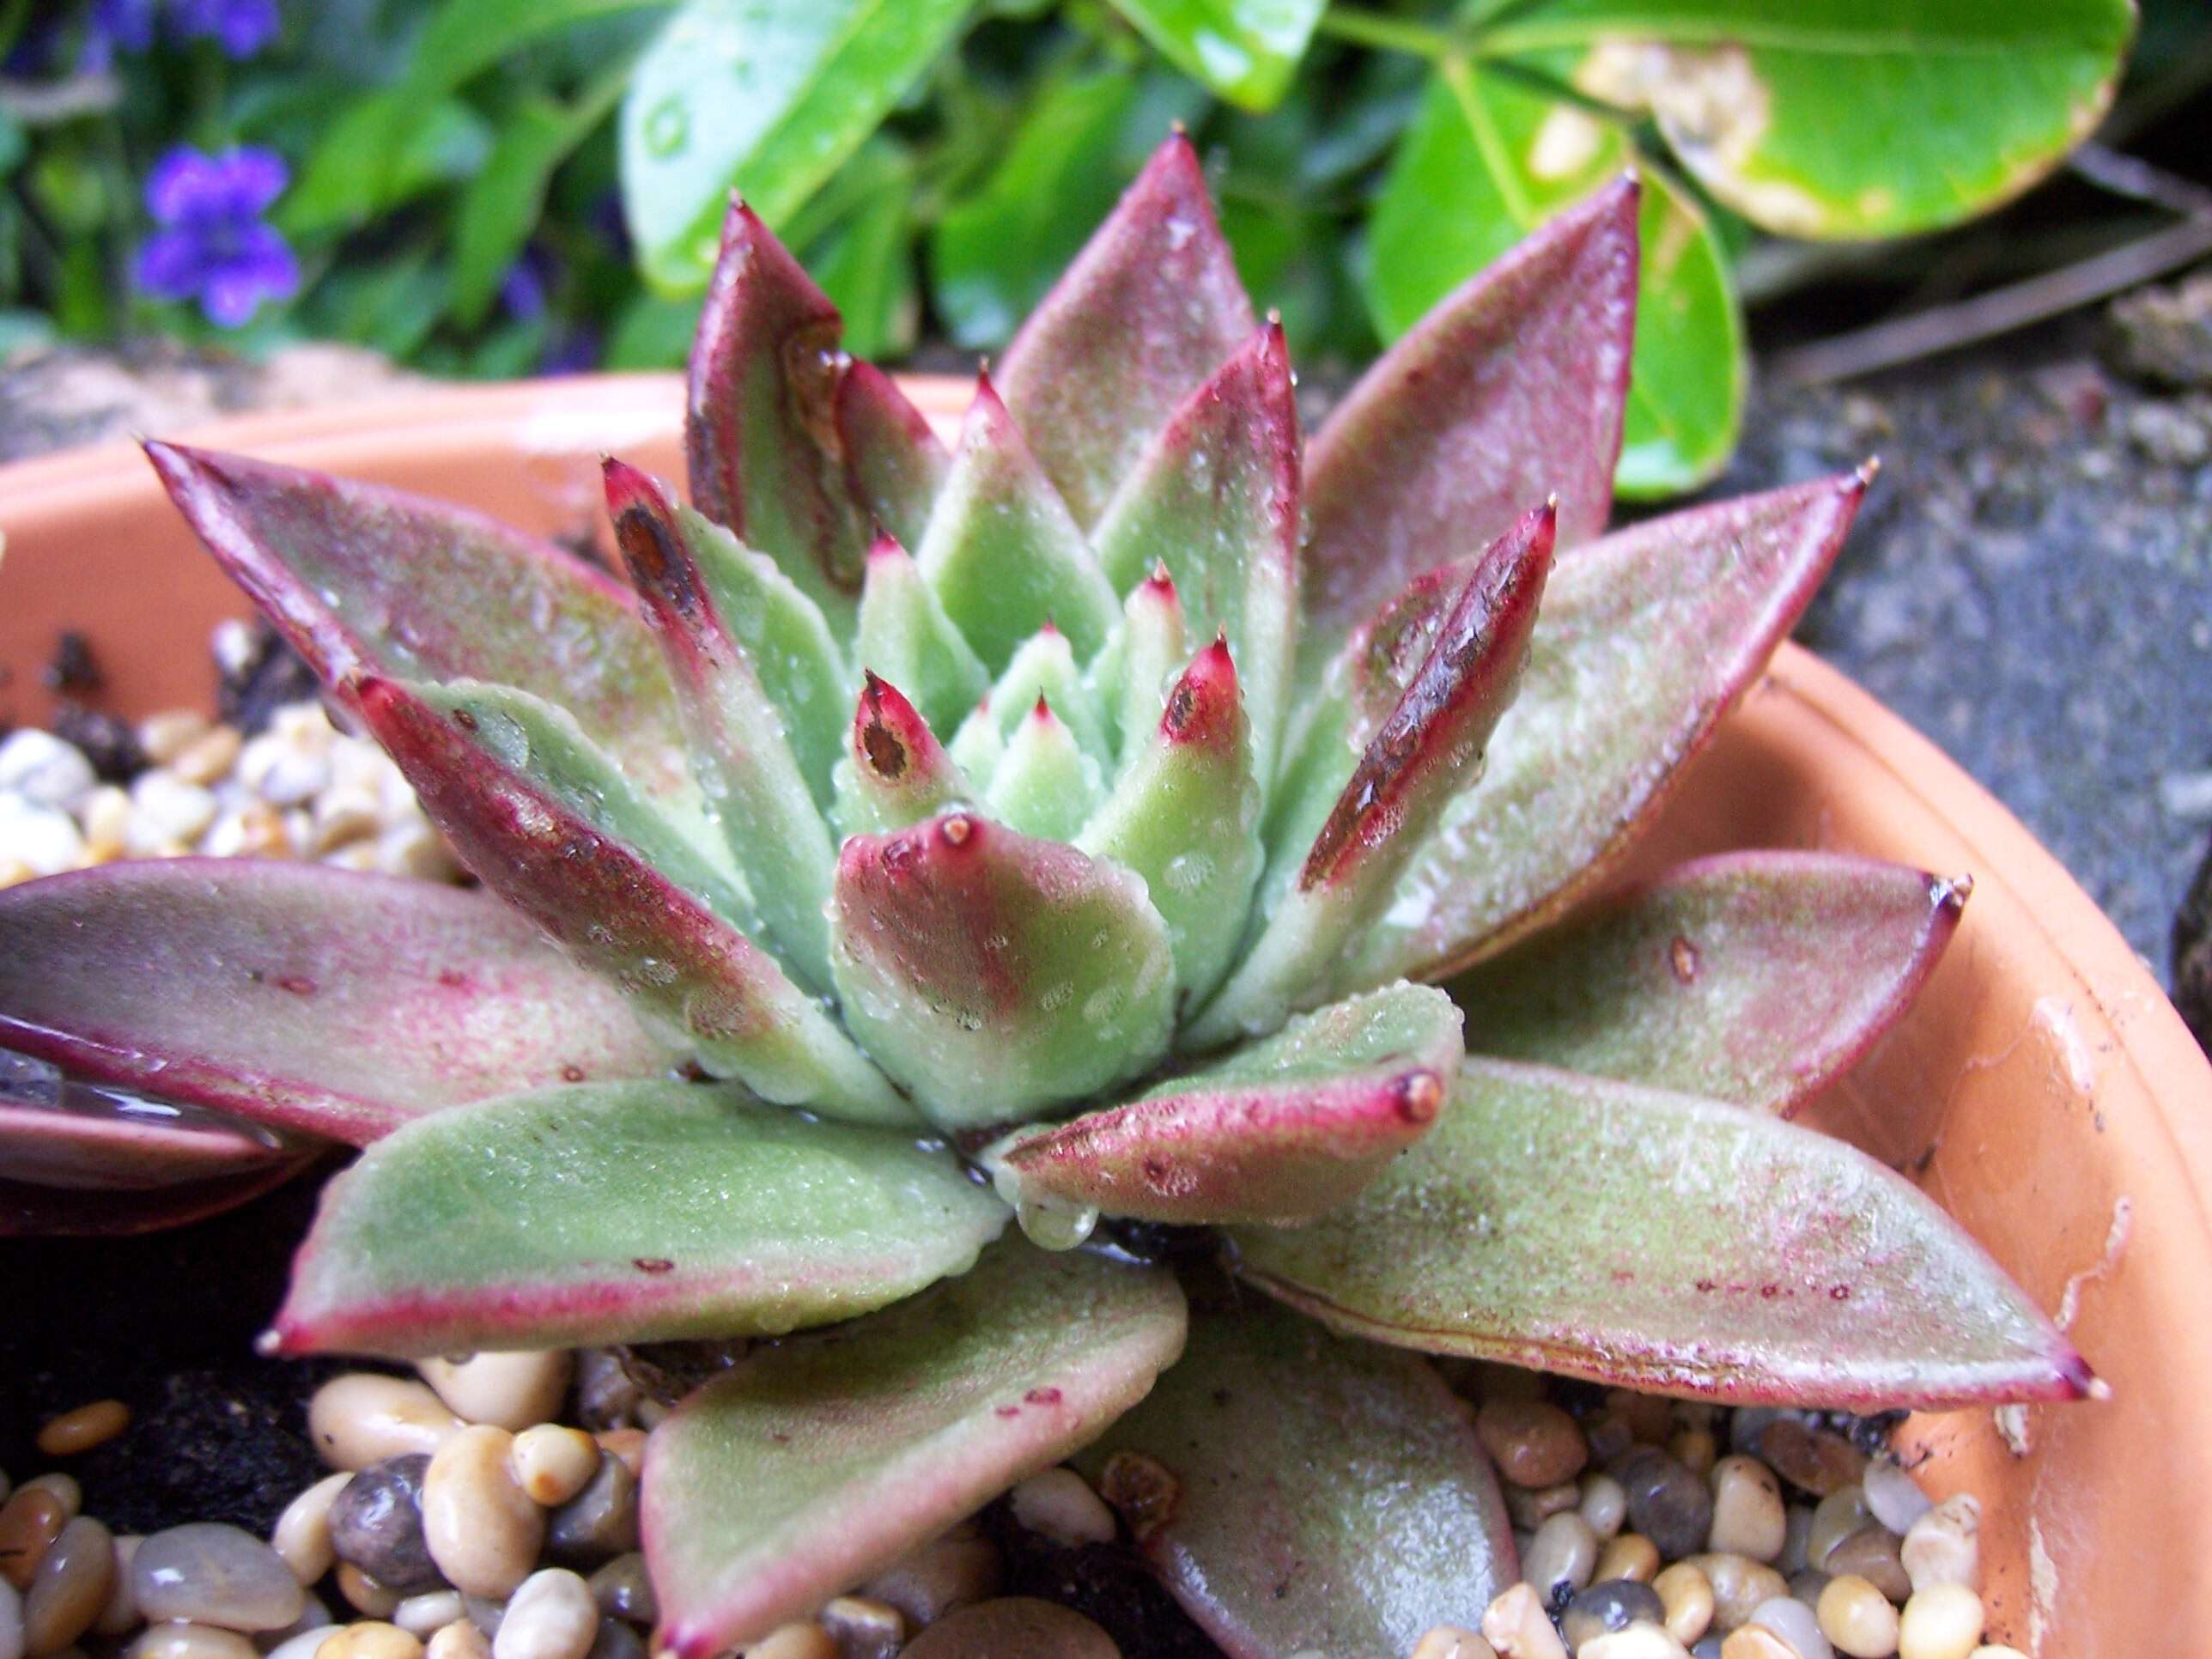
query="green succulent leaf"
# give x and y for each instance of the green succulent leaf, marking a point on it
(1751, 977)
(365, 581)
(1632, 1236)
(995, 974)
(275, 991)
(1215, 500)
(854, 1447)
(623, 1213)
(1043, 670)
(616, 912)
(1647, 639)
(1185, 815)
(771, 99)
(1133, 676)
(1245, 49)
(1149, 308)
(1852, 119)
(897, 774)
(1044, 784)
(1283, 1130)
(906, 637)
(1298, 1492)
(1002, 551)
(894, 462)
(1509, 391)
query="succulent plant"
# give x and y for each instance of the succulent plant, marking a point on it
(1075, 822)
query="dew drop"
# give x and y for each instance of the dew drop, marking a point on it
(667, 127)
(1052, 1225)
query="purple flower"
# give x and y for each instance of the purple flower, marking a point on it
(117, 26)
(214, 246)
(242, 27)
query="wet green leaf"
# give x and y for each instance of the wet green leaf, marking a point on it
(1245, 49)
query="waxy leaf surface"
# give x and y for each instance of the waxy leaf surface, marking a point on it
(1633, 1235)
(906, 637)
(623, 1213)
(1329, 1497)
(1044, 784)
(1508, 393)
(894, 463)
(1245, 50)
(897, 773)
(1148, 309)
(995, 974)
(1283, 1130)
(1750, 977)
(854, 1447)
(1645, 641)
(301, 996)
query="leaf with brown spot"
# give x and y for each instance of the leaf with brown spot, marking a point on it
(895, 772)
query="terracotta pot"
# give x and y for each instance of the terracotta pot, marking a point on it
(2042, 1087)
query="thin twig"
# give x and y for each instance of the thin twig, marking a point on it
(2139, 181)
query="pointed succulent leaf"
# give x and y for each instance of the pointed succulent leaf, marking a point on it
(1001, 551)
(1648, 638)
(616, 913)
(1632, 1236)
(28, 1208)
(1149, 307)
(896, 772)
(995, 974)
(1215, 499)
(1133, 675)
(906, 637)
(760, 426)
(1428, 750)
(1185, 816)
(1751, 977)
(623, 1213)
(1300, 1493)
(1044, 784)
(895, 465)
(1283, 1130)
(301, 996)
(979, 745)
(854, 1447)
(365, 581)
(747, 764)
(1511, 389)
(1045, 667)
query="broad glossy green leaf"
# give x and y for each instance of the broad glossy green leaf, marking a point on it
(864, 261)
(906, 637)
(1245, 49)
(1632, 1236)
(1327, 1497)
(301, 996)
(1283, 1130)
(994, 974)
(1847, 117)
(1750, 977)
(854, 1447)
(1644, 640)
(1044, 784)
(1491, 156)
(463, 38)
(764, 97)
(500, 206)
(895, 773)
(623, 1213)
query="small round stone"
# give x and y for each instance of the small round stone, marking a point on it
(11, 1621)
(314, 1619)
(458, 1640)
(929, 1582)
(1807, 1583)
(1796, 1536)
(1997, 1650)
(1709, 1648)
(211, 1574)
(1532, 1506)
(483, 1531)
(369, 1638)
(186, 1640)
(1796, 1624)
(1835, 1518)
(360, 1418)
(1687, 1597)
(1894, 1497)
(1694, 1450)
(70, 1588)
(424, 1615)
(1603, 1505)
(303, 1646)
(1749, 1517)
(1013, 1625)
(600, 1521)
(1857, 1618)
(1609, 1436)
(80, 1430)
(29, 1523)
(555, 1462)
(1639, 1641)
(551, 1616)
(510, 1391)
(1756, 1642)
(376, 1524)
(1943, 1621)
(118, 1614)
(1667, 1504)
(1450, 1641)
(1517, 1626)
(1819, 1460)
(1740, 1585)
(1632, 1555)
(1944, 1546)
(63, 1489)
(1611, 1604)
(1059, 1506)
(1561, 1557)
(628, 1444)
(865, 1629)
(1872, 1554)
(302, 1533)
(617, 1640)
(1650, 1417)
(623, 1590)
(803, 1639)
(365, 1595)
(1533, 1442)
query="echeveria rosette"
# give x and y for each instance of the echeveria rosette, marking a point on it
(1079, 806)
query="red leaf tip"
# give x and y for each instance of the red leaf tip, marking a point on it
(957, 830)
(1160, 584)
(1201, 707)
(1862, 479)
(1420, 1097)
(631, 489)
(1950, 892)
(1041, 710)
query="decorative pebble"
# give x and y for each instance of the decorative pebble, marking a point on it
(1609, 1436)
(623, 1590)
(70, 1588)
(1021, 1625)
(458, 1640)
(302, 1533)
(11, 1622)
(1516, 1625)
(1059, 1506)
(210, 1573)
(369, 1638)
(118, 1614)
(1819, 1460)
(1997, 1650)
(510, 1391)
(1740, 1585)
(628, 1444)
(1632, 1555)
(864, 1629)
(63, 1488)
(1894, 1497)
(376, 1524)
(802, 1640)
(1857, 1618)
(1639, 1641)
(1650, 1417)
(483, 1530)
(550, 1616)
(1687, 1596)
(1796, 1624)
(364, 1595)
(555, 1462)
(426, 1615)
(933, 1581)
(617, 1640)
(303, 1646)
(1450, 1641)
(166, 814)
(44, 770)
(1796, 1536)
(600, 1521)
(38, 841)
(1533, 1442)
(360, 1418)
(167, 735)
(1611, 1604)
(314, 1619)
(1749, 1517)
(80, 1430)
(105, 815)
(29, 1523)
(1835, 1518)
(1667, 1504)
(1531, 1507)
(1872, 1553)
(1943, 1621)
(1944, 1546)
(1562, 1557)
(1603, 1505)
(282, 772)
(1807, 1583)
(184, 1641)
(1693, 1449)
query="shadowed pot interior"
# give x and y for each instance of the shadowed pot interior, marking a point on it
(2042, 1087)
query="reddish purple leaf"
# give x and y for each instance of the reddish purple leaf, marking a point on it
(894, 461)
(302, 997)
(1751, 977)
(1509, 391)
(27, 1209)
(1147, 309)
(899, 772)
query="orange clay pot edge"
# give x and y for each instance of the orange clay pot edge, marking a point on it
(2043, 1088)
